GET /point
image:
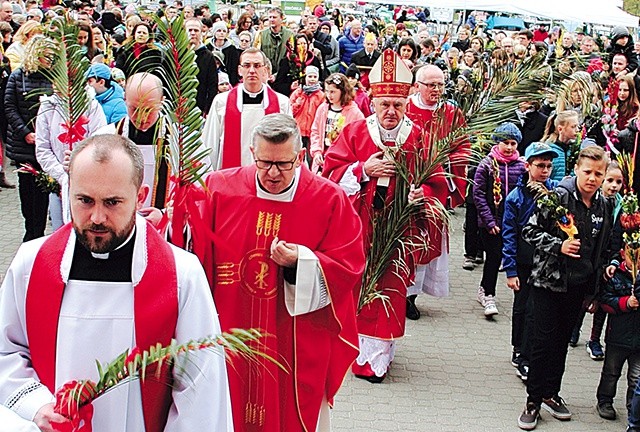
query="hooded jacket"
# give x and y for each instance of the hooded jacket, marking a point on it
(617, 33)
(112, 103)
(552, 269)
(623, 325)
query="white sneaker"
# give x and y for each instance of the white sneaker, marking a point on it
(481, 297)
(490, 308)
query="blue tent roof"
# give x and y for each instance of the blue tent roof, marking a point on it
(505, 23)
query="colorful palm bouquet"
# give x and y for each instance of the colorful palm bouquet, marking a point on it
(74, 399)
(630, 214)
(561, 215)
(610, 115)
(43, 180)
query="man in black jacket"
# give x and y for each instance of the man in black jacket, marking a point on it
(366, 58)
(321, 40)
(207, 72)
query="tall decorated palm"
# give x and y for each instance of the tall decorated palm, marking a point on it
(187, 157)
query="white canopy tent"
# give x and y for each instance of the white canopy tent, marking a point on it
(586, 11)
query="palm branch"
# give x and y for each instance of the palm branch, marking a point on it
(68, 75)
(135, 364)
(187, 156)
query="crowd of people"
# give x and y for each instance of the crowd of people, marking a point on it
(319, 130)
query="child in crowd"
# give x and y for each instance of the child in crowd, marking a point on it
(223, 82)
(566, 268)
(619, 298)
(612, 184)
(305, 101)
(496, 176)
(517, 255)
(473, 250)
(332, 116)
(564, 131)
(361, 98)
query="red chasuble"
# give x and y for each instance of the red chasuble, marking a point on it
(155, 311)
(439, 124)
(317, 348)
(355, 144)
(231, 148)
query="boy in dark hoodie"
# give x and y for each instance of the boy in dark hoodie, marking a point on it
(566, 270)
(517, 255)
(622, 43)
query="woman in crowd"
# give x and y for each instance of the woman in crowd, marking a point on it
(331, 61)
(99, 41)
(131, 22)
(470, 59)
(139, 53)
(222, 44)
(408, 51)
(16, 51)
(292, 66)
(627, 101)
(245, 24)
(477, 44)
(85, 40)
(21, 102)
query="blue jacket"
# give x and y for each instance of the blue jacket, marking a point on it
(560, 168)
(518, 208)
(623, 326)
(112, 103)
(348, 46)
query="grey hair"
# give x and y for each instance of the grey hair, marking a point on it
(103, 147)
(277, 129)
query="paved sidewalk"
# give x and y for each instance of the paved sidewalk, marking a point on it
(452, 370)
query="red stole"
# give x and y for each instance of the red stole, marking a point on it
(155, 312)
(232, 147)
(317, 348)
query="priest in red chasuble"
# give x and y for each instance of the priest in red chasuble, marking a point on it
(441, 120)
(363, 161)
(291, 266)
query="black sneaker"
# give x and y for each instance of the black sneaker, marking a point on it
(557, 408)
(523, 371)
(528, 420)
(606, 410)
(575, 336)
(515, 358)
(412, 310)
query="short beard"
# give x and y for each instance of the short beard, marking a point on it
(104, 245)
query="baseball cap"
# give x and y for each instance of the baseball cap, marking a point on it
(538, 149)
(99, 71)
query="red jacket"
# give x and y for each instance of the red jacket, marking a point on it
(304, 107)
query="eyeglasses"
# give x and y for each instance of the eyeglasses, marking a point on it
(282, 166)
(432, 86)
(256, 66)
(543, 166)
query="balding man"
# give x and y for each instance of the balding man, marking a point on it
(6, 15)
(440, 119)
(144, 126)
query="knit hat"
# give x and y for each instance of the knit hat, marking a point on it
(223, 78)
(325, 24)
(219, 25)
(619, 32)
(353, 71)
(117, 74)
(312, 70)
(507, 131)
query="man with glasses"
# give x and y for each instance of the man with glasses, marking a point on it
(290, 267)
(363, 160)
(234, 114)
(440, 119)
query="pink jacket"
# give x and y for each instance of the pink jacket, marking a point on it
(351, 113)
(304, 107)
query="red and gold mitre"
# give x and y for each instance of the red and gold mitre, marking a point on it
(390, 76)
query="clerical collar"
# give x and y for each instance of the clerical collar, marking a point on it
(284, 196)
(111, 267)
(253, 95)
(389, 134)
(106, 254)
(421, 104)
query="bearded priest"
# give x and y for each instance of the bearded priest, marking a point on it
(363, 160)
(102, 284)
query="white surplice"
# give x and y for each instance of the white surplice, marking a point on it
(97, 323)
